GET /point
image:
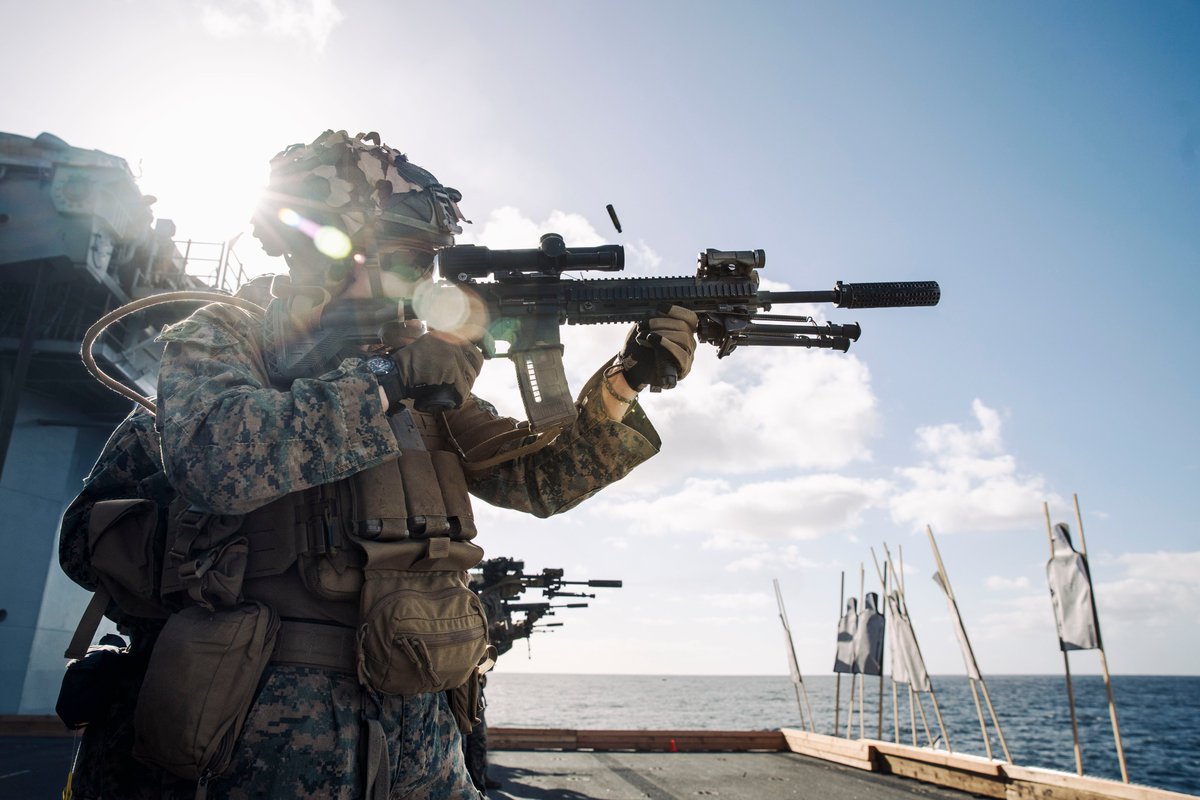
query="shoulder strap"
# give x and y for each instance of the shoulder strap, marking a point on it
(88, 624)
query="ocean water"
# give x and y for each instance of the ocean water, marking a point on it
(1159, 717)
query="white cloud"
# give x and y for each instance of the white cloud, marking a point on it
(309, 21)
(967, 480)
(725, 516)
(1019, 617)
(1156, 589)
(787, 559)
(998, 583)
(737, 601)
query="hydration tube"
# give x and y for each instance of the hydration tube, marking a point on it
(102, 324)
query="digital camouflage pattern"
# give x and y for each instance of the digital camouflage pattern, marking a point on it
(232, 443)
(302, 741)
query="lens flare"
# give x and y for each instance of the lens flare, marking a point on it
(332, 242)
(445, 308)
(327, 239)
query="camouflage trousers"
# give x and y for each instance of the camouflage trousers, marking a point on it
(304, 738)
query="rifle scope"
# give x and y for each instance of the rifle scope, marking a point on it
(463, 262)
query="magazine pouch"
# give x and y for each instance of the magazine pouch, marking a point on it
(421, 629)
(200, 684)
(206, 557)
(331, 564)
(122, 543)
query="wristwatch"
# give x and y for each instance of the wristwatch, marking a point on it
(388, 376)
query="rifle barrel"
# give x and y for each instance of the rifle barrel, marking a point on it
(890, 294)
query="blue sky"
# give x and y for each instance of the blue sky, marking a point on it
(1040, 160)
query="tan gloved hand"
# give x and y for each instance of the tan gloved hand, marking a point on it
(438, 370)
(670, 335)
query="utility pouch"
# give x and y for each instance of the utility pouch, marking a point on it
(122, 538)
(199, 686)
(421, 629)
(205, 557)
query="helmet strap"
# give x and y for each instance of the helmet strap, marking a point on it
(371, 261)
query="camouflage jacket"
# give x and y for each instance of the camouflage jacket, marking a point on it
(231, 442)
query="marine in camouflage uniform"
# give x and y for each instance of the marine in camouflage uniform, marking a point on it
(219, 414)
(233, 442)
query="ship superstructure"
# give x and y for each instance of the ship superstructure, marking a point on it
(77, 240)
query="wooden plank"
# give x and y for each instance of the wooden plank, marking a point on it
(531, 739)
(33, 725)
(1035, 782)
(855, 748)
(964, 762)
(943, 775)
(855, 753)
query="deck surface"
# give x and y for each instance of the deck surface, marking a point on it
(34, 767)
(541, 775)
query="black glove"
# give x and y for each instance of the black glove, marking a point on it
(668, 337)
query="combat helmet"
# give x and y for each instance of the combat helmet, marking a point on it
(341, 198)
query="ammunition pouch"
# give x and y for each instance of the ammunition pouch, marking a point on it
(205, 558)
(312, 530)
(199, 686)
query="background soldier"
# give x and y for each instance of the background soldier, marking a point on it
(498, 582)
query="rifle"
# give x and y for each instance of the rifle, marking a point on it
(527, 300)
(550, 581)
(544, 608)
(500, 581)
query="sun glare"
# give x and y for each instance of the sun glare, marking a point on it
(327, 239)
(208, 186)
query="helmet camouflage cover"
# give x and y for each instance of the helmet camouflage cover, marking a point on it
(370, 192)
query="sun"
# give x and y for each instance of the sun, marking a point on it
(208, 187)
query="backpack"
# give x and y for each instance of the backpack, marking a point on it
(111, 537)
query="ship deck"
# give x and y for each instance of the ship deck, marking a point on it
(33, 767)
(539, 764)
(571, 775)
